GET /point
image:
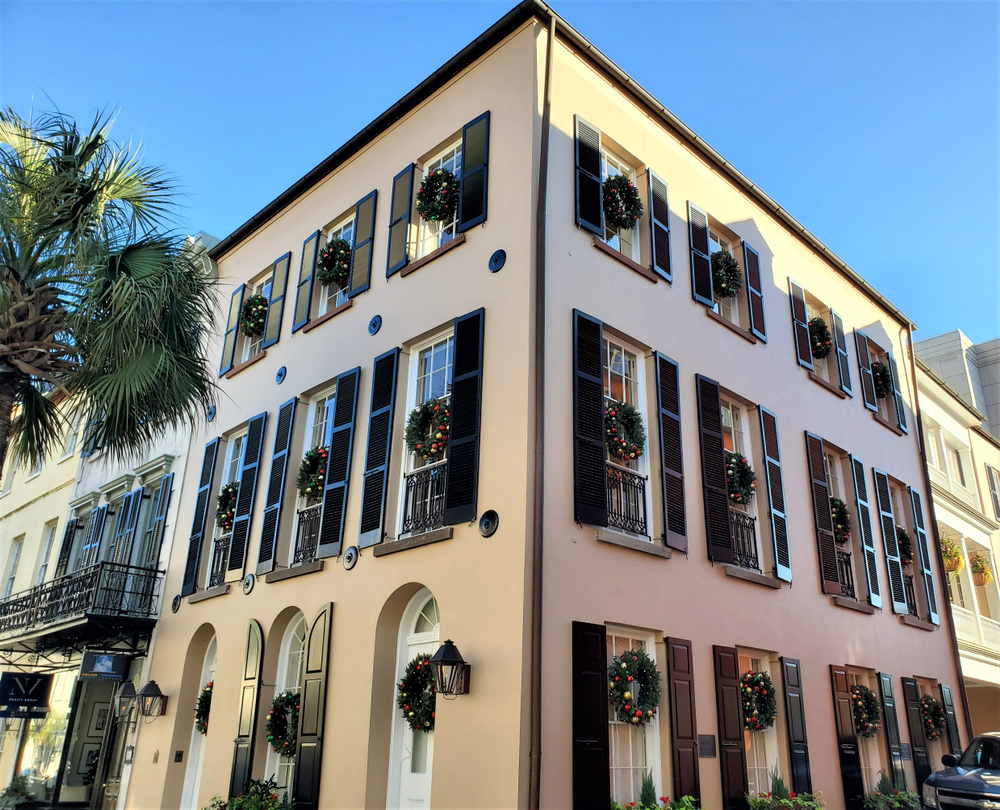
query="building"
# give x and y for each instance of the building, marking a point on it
(972, 369)
(525, 541)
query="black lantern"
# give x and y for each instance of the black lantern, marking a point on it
(450, 670)
(125, 699)
(152, 702)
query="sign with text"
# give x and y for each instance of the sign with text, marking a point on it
(103, 667)
(25, 692)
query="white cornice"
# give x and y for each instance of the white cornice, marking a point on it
(85, 503)
(118, 487)
(154, 470)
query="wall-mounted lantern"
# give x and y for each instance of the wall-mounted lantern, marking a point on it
(152, 702)
(450, 670)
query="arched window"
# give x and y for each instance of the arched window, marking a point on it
(288, 679)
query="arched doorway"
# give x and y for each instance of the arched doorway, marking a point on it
(196, 751)
(288, 678)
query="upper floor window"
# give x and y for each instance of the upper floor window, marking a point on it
(320, 411)
(70, 438)
(955, 468)
(743, 516)
(9, 472)
(15, 561)
(435, 234)
(252, 344)
(625, 241)
(330, 296)
(234, 454)
(49, 539)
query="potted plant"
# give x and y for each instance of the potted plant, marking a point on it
(952, 554)
(982, 570)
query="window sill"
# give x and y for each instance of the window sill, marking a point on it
(634, 543)
(751, 576)
(295, 571)
(326, 316)
(413, 266)
(887, 424)
(414, 541)
(211, 593)
(715, 316)
(645, 272)
(913, 621)
(245, 364)
(852, 604)
(827, 385)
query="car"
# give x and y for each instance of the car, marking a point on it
(971, 780)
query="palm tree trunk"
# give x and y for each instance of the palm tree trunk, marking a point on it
(8, 390)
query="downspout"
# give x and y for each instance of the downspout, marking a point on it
(535, 763)
(966, 714)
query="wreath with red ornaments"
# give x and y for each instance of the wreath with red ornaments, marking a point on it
(741, 480)
(634, 687)
(282, 724)
(312, 473)
(727, 278)
(625, 435)
(905, 544)
(253, 316)
(933, 716)
(867, 712)
(226, 506)
(427, 430)
(882, 379)
(820, 339)
(417, 694)
(203, 708)
(841, 520)
(437, 197)
(622, 203)
(334, 263)
(760, 706)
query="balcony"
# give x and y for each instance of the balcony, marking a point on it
(967, 496)
(911, 595)
(845, 572)
(220, 557)
(423, 503)
(743, 528)
(307, 535)
(984, 633)
(626, 500)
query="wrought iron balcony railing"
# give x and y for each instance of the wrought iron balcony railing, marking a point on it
(845, 570)
(307, 535)
(424, 495)
(744, 531)
(220, 558)
(911, 595)
(626, 499)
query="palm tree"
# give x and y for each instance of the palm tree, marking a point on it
(100, 308)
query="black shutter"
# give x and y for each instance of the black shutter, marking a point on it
(993, 478)
(701, 262)
(95, 533)
(713, 472)
(249, 696)
(475, 178)
(897, 394)
(865, 531)
(590, 487)
(660, 230)
(129, 516)
(847, 741)
(201, 512)
(823, 518)
(732, 746)
(66, 549)
(591, 755)
(340, 440)
(462, 481)
(775, 495)
(383, 405)
(683, 719)
(304, 290)
(865, 370)
(671, 458)
(361, 249)
(890, 722)
(276, 306)
(888, 522)
(755, 291)
(312, 709)
(840, 341)
(924, 555)
(277, 479)
(159, 521)
(795, 722)
(232, 330)
(800, 324)
(954, 740)
(253, 449)
(915, 722)
(589, 192)
(400, 206)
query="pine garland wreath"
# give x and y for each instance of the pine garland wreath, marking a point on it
(253, 316)
(427, 429)
(417, 695)
(203, 708)
(625, 435)
(841, 520)
(437, 197)
(760, 705)
(882, 378)
(282, 724)
(634, 687)
(226, 506)
(334, 263)
(933, 716)
(622, 203)
(312, 473)
(867, 711)
(727, 278)
(740, 479)
(905, 543)
(820, 338)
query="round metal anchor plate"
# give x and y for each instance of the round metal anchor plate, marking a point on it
(374, 325)
(248, 582)
(279, 378)
(497, 260)
(210, 414)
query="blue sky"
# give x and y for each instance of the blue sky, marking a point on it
(874, 123)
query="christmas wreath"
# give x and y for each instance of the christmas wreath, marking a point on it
(312, 473)
(622, 203)
(882, 378)
(625, 434)
(437, 197)
(282, 724)
(740, 479)
(334, 263)
(227, 506)
(203, 708)
(727, 278)
(418, 694)
(867, 712)
(841, 520)
(905, 544)
(760, 706)
(427, 429)
(253, 316)
(934, 717)
(820, 338)
(634, 687)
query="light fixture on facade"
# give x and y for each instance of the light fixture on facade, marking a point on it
(450, 670)
(152, 702)
(125, 699)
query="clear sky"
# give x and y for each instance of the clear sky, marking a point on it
(874, 123)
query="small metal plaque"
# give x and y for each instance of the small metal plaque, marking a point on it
(178, 756)
(904, 750)
(706, 746)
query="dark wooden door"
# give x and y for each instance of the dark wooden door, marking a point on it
(732, 747)
(847, 740)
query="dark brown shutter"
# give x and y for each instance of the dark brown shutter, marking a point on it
(847, 741)
(897, 394)
(361, 249)
(822, 517)
(201, 511)
(253, 449)
(840, 341)
(249, 696)
(915, 722)
(303, 291)
(340, 440)
(890, 723)
(232, 330)
(591, 755)
(377, 458)
(276, 306)
(732, 750)
(683, 719)
(589, 194)
(276, 481)
(591, 495)
(671, 459)
(800, 324)
(888, 522)
(924, 556)
(462, 476)
(795, 722)
(775, 495)
(400, 207)
(755, 291)
(954, 740)
(865, 531)
(312, 710)
(993, 478)
(865, 370)
(66, 548)
(660, 227)
(701, 262)
(475, 179)
(713, 472)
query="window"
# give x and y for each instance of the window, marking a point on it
(262, 286)
(70, 439)
(9, 473)
(761, 746)
(868, 747)
(49, 535)
(833, 475)
(36, 470)
(289, 679)
(728, 308)
(435, 234)
(320, 410)
(742, 517)
(826, 367)
(955, 468)
(15, 561)
(310, 508)
(334, 295)
(625, 242)
(230, 475)
(983, 753)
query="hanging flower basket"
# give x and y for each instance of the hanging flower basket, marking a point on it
(905, 543)
(634, 687)
(727, 278)
(841, 520)
(437, 197)
(417, 694)
(935, 720)
(226, 506)
(624, 434)
(882, 378)
(760, 704)
(951, 552)
(334, 263)
(867, 711)
(622, 203)
(203, 708)
(253, 316)
(981, 570)
(282, 724)
(820, 339)
(740, 479)
(427, 429)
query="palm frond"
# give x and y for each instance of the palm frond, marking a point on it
(38, 426)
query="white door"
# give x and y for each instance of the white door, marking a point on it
(196, 751)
